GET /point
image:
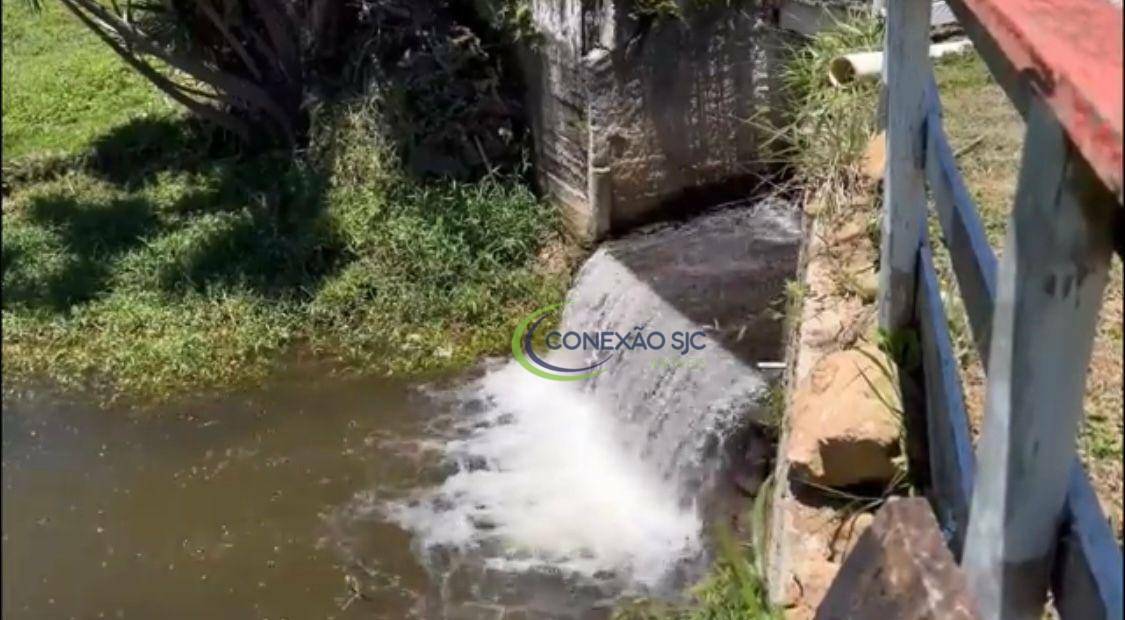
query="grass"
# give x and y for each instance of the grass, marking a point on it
(657, 9)
(733, 589)
(981, 122)
(63, 87)
(145, 256)
(825, 146)
(516, 20)
(824, 142)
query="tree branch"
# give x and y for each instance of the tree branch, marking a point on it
(167, 86)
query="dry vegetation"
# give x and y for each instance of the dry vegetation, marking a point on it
(986, 133)
(835, 155)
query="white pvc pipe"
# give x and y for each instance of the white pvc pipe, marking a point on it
(868, 65)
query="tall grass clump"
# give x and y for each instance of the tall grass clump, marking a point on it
(736, 588)
(447, 269)
(822, 139)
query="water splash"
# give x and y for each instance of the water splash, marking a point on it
(607, 478)
(542, 480)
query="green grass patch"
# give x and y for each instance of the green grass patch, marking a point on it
(63, 87)
(145, 256)
(168, 279)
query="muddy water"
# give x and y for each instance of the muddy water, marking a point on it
(225, 508)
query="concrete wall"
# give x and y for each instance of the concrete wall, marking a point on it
(634, 117)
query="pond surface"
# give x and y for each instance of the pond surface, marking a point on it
(235, 507)
(322, 497)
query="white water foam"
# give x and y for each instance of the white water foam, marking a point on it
(554, 489)
(609, 477)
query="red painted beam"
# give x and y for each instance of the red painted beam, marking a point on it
(1071, 53)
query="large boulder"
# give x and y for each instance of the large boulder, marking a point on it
(900, 568)
(844, 429)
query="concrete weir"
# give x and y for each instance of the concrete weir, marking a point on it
(636, 115)
(565, 498)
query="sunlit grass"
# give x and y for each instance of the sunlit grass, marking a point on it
(146, 256)
(63, 87)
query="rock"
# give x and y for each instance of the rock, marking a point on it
(851, 233)
(849, 534)
(842, 432)
(816, 575)
(859, 326)
(866, 285)
(900, 569)
(862, 521)
(875, 157)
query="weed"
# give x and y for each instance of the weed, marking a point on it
(900, 352)
(901, 347)
(658, 10)
(823, 138)
(735, 589)
(772, 403)
(515, 19)
(795, 293)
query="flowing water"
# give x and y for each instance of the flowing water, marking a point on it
(499, 494)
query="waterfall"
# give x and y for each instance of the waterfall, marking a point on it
(605, 478)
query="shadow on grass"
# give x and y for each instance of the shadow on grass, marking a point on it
(89, 236)
(130, 155)
(255, 223)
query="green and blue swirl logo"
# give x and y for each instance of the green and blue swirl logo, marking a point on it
(527, 357)
(603, 345)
